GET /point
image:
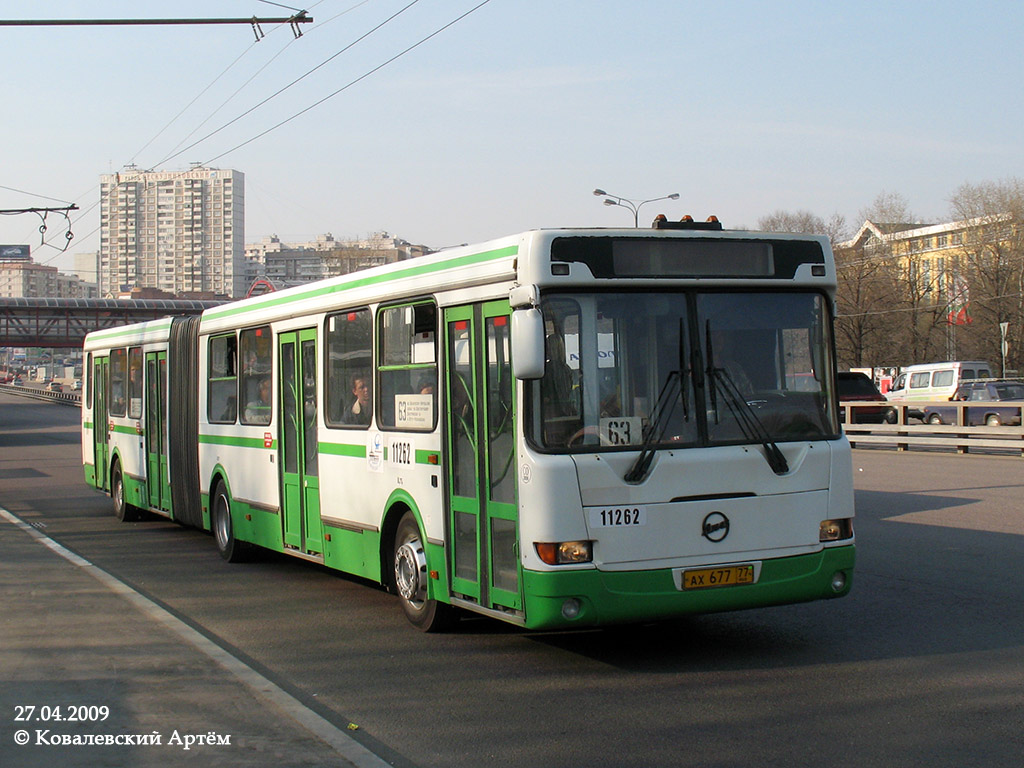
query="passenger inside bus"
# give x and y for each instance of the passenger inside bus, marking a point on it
(360, 410)
(257, 411)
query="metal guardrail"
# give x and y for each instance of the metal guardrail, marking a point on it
(63, 398)
(904, 434)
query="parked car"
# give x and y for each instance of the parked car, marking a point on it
(1008, 394)
(858, 387)
(932, 381)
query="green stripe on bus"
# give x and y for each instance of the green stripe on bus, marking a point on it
(423, 457)
(414, 271)
(132, 332)
(123, 430)
(237, 442)
(343, 449)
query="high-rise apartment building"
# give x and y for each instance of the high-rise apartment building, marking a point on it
(181, 232)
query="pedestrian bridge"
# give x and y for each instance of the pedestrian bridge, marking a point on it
(64, 322)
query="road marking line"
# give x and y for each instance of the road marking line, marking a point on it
(349, 749)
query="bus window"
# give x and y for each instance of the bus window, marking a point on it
(135, 383)
(349, 358)
(255, 382)
(222, 390)
(88, 381)
(407, 367)
(118, 380)
(562, 415)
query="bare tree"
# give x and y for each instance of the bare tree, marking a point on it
(993, 255)
(805, 222)
(888, 207)
(863, 309)
(916, 324)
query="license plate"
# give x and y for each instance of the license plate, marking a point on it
(727, 576)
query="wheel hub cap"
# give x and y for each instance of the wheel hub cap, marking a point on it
(411, 571)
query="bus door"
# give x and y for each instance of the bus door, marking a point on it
(300, 481)
(157, 476)
(101, 421)
(481, 444)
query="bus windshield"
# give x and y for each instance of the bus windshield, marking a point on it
(684, 368)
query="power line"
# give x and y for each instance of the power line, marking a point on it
(97, 202)
(353, 82)
(298, 18)
(317, 103)
(292, 83)
(33, 194)
(259, 71)
(194, 100)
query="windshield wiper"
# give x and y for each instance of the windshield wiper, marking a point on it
(751, 426)
(667, 398)
(663, 408)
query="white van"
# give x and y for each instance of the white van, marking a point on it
(934, 381)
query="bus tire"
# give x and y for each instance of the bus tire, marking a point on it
(123, 511)
(410, 579)
(230, 548)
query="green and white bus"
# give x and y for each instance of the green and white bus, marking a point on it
(562, 428)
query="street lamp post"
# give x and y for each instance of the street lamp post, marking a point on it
(633, 205)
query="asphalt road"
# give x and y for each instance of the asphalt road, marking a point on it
(922, 665)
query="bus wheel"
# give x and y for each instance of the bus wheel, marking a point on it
(230, 548)
(123, 511)
(411, 580)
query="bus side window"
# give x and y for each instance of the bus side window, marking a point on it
(349, 362)
(135, 382)
(222, 386)
(255, 381)
(407, 367)
(118, 377)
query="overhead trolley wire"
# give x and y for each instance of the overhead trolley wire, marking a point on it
(296, 81)
(345, 87)
(317, 103)
(259, 71)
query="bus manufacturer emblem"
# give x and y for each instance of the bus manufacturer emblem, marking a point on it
(715, 527)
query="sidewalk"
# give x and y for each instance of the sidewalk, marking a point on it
(144, 689)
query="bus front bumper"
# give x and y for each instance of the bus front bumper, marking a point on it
(588, 598)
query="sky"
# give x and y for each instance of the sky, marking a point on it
(510, 117)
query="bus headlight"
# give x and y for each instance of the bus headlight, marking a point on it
(835, 530)
(562, 552)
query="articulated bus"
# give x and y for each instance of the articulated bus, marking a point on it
(559, 429)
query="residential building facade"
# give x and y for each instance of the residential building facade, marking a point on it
(22, 278)
(283, 264)
(180, 232)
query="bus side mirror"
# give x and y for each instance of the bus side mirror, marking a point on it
(528, 343)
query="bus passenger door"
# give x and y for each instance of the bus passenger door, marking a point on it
(157, 478)
(481, 444)
(300, 481)
(101, 421)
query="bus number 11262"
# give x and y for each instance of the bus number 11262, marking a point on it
(617, 517)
